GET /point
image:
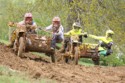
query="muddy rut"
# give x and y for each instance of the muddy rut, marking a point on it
(39, 67)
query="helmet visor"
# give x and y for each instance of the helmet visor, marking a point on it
(28, 20)
(76, 27)
(56, 22)
(110, 35)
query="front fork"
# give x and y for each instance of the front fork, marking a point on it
(16, 43)
(72, 51)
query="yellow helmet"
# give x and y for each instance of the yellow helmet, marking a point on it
(109, 32)
(76, 25)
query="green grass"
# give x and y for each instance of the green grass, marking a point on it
(4, 41)
(12, 79)
(85, 63)
(8, 75)
(40, 54)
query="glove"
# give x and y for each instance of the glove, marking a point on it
(85, 34)
(11, 24)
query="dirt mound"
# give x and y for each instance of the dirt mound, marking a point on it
(39, 67)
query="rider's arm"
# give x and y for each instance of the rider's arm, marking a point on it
(21, 23)
(95, 37)
(101, 38)
(84, 34)
(12, 24)
(32, 26)
(67, 34)
(49, 28)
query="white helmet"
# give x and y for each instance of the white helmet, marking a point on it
(28, 15)
(56, 19)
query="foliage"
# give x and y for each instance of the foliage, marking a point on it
(111, 61)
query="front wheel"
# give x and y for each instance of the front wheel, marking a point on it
(21, 46)
(76, 57)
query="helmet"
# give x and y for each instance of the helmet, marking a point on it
(28, 18)
(56, 19)
(109, 32)
(76, 25)
(28, 15)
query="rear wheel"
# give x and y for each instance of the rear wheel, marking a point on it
(21, 46)
(53, 58)
(96, 62)
(96, 59)
(66, 59)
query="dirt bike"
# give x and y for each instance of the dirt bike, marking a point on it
(71, 51)
(26, 40)
(76, 50)
(20, 41)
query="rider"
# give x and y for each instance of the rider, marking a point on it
(57, 31)
(105, 43)
(76, 31)
(28, 22)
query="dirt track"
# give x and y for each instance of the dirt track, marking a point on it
(38, 67)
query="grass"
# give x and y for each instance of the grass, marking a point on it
(4, 41)
(8, 75)
(40, 54)
(85, 63)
